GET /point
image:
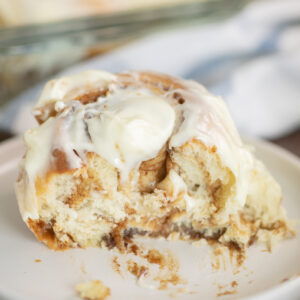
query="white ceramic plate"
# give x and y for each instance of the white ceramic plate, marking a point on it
(264, 275)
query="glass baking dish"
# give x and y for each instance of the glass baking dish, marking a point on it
(32, 52)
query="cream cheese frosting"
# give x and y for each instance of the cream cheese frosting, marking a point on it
(130, 125)
(65, 88)
(132, 130)
(206, 118)
(125, 128)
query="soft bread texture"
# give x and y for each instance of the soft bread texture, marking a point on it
(189, 189)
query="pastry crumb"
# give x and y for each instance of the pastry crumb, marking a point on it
(234, 284)
(116, 265)
(135, 269)
(92, 290)
(226, 293)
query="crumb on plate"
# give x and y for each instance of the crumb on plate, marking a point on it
(92, 290)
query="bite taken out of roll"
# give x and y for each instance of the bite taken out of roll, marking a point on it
(141, 153)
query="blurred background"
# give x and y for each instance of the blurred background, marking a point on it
(247, 51)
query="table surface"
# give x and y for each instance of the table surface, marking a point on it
(290, 142)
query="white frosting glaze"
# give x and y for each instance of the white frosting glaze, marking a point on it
(207, 119)
(125, 128)
(131, 125)
(64, 89)
(38, 145)
(132, 130)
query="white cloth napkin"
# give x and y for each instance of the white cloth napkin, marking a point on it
(252, 60)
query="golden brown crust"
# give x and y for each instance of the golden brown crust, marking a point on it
(45, 233)
(91, 96)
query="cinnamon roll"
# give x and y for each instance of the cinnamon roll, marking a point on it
(142, 153)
